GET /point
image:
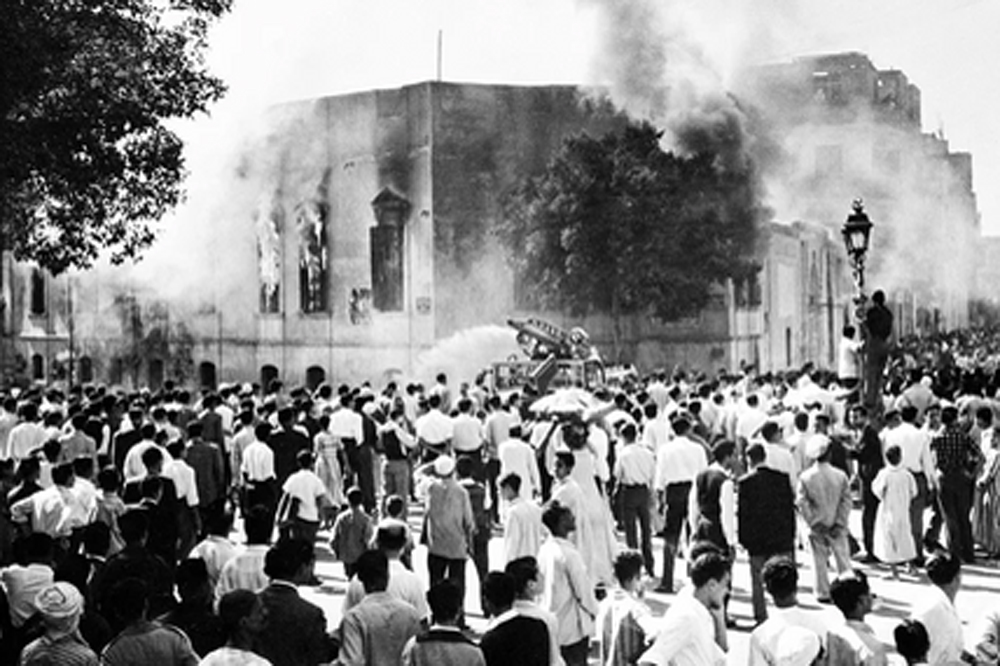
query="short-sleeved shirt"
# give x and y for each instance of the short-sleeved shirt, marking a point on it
(228, 656)
(306, 487)
(150, 643)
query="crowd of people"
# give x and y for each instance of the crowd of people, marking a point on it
(117, 515)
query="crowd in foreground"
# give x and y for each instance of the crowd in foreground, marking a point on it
(117, 512)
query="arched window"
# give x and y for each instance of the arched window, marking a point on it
(37, 292)
(37, 366)
(268, 373)
(206, 375)
(315, 376)
(86, 372)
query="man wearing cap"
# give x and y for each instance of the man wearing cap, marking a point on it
(448, 525)
(60, 606)
(824, 500)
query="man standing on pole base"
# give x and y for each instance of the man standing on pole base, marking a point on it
(878, 328)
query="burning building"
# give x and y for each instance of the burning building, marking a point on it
(363, 237)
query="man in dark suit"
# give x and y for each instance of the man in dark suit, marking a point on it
(765, 519)
(205, 458)
(286, 442)
(124, 441)
(157, 495)
(513, 639)
(295, 633)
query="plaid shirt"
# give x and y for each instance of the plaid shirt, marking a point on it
(956, 451)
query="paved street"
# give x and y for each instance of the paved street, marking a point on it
(978, 596)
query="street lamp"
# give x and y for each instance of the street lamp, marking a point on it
(857, 231)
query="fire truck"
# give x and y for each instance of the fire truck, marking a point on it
(555, 358)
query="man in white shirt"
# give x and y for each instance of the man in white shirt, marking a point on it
(523, 530)
(404, 584)
(23, 583)
(245, 571)
(678, 463)
(517, 457)
(688, 631)
(777, 456)
(189, 520)
(27, 435)
(938, 615)
(55, 511)
(434, 430)
(467, 436)
(305, 495)
(781, 578)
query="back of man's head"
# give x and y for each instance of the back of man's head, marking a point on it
(445, 601)
(372, 568)
(943, 568)
(781, 579)
(708, 567)
(285, 558)
(499, 592)
(523, 571)
(847, 591)
(391, 539)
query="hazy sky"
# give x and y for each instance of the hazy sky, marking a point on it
(270, 51)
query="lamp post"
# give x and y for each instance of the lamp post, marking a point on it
(857, 231)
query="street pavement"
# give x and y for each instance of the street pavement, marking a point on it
(896, 598)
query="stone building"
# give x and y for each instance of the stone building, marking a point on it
(366, 238)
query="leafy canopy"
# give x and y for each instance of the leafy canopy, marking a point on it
(618, 225)
(86, 161)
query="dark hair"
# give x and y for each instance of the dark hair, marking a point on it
(108, 479)
(262, 431)
(304, 458)
(801, 420)
(354, 496)
(62, 473)
(394, 505)
(51, 449)
(134, 526)
(445, 600)
(195, 428)
(39, 547)
(769, 430)
(129, 599)
(680, 425)
(780, 576)
(97, 538)
(709, 566)
(628, 565)
(893, 454)
(151, 457)
(943, 568)
(723, 450)
(567, 459)
(949, 415)
(285, 558)
(756, 453)
(846, 591)
(83, 466)
(372, 568)
(909, 413)
(391, 537)
(912, 641)
(234, 606)
(498, 589)
(192, 575)
(522, 570)
(511, 480)
(553, 516)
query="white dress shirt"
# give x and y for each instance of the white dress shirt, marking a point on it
(258, 462)
(434, 427)
(914, 444)
(686, 636)
(347, 424)
(679, 460)
(523, 530)
(182, 474)
(517, 457)
(944, 627)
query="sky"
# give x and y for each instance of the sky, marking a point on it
(269, 52)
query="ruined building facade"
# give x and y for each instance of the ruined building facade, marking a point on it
(368, 239)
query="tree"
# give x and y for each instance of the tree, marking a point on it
(86, 88)
(618, 225)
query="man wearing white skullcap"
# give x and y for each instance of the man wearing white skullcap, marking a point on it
(60, 606)
(824, 500)
(449, 525)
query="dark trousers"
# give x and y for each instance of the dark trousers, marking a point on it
(634, 502)
(869, 508)
(481, 559)
(677, 512)
(575, 654)
(366, 476)
(261, 493)
(917, 506)
(956, 503)
(301, 529)
(492, 470)
(440, 568)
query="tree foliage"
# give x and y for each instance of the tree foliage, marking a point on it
(620, 226)
(86, 159)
